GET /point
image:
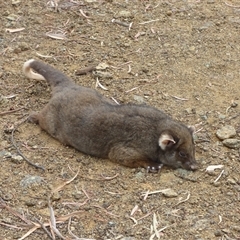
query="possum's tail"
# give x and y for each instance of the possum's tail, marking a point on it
(43, 71)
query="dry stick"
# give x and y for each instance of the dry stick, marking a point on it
(178, 98)
(45, 229)
(29, 232)
(15, 213)
(124, 24)
(110, 178)
(11, 111)
(19, 152)
(112, 214)
(85, 70)
(10, 226)
(53, 221)
(149, 21)
(184, 200)
(59, 188)
(230, 5)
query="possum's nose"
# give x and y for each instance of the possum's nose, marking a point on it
(191, 166)
(194, 166)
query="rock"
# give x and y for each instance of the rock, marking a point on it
(16, 159)
(30, 180)
(139, 99)
(206, 25)
(12, 17)
(232, 143)
(231, 181)
(102, 74)
(226, 132)
(124, 14)
(102, 66)
(5, 154)
(169, 193)
(30, 203)
(16, 2)
(188, 110)
(218, 233)
(140, 175)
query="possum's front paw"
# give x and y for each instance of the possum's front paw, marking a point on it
(33, 118)
(154, 168)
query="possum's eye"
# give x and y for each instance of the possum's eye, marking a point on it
(182, 154)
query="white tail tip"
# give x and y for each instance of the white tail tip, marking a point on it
(27, 70)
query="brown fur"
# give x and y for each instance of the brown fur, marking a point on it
(131, 135)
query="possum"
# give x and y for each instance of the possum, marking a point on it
(129, 134)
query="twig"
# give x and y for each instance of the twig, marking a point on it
(76, 204)
(86, 70)
(15, 213)
(132, 89)
(10, 226)
(124, 24)
(230, 5)
(44, 228)
(59, 188)
(129, 68)
(155, 224)
(149, 21)
(178, 98)
(154, 192)
(220, 219)
(11, 111)
(134, 210)
(134, 220)
(53, 221)
(86, 194)
(112, 214)
(146, 195)
(19, 152)
(219, 176)
(83, 14)
(110, 178)
(29, 232)
(100, 85)
(184, 200)
(115, 101)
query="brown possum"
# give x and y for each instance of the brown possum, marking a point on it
(129, 134)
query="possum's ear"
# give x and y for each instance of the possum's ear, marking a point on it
(165, 140)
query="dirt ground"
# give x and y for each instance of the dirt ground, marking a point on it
(179, 56)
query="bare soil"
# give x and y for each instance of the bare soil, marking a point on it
(179, 56)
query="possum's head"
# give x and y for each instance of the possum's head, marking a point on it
(177, 148)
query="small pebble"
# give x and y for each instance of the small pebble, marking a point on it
(231, 181)
(218, 233)
(216, 184)
(56, 196)
(30, 203)
(124, 14)
(16, 159)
